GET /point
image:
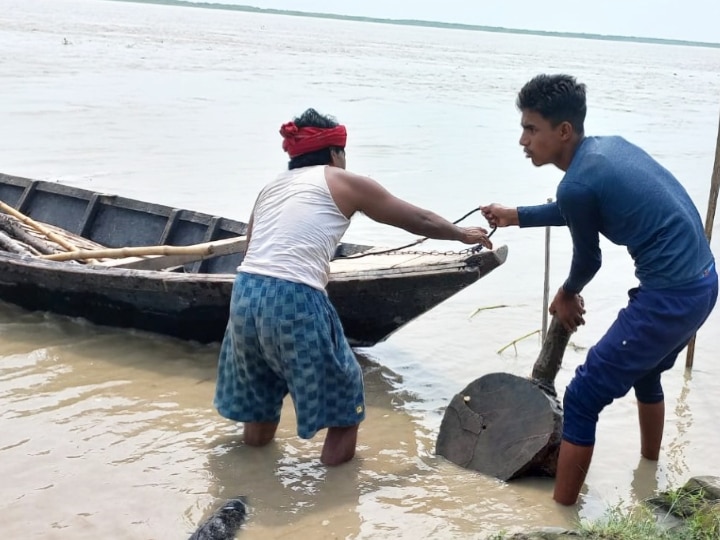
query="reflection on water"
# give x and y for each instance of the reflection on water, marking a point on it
(645, 481)
(682, 419)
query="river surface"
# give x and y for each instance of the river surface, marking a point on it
(110, 433)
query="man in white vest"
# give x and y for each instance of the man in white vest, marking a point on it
(283, 334)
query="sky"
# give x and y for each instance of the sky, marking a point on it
(692, 20)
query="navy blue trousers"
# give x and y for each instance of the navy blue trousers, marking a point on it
(642, 343)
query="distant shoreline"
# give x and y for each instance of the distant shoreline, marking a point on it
(427, 24)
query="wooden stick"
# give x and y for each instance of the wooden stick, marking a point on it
(709, 221)
(546, 285)
(478, 310)
(207, 248)
(35, 225)
(550, 358)
(13, 246)
(15, 229)
(514, 342)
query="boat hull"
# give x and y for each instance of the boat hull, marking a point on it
(374, 295)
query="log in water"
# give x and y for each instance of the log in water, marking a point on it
(508, 426)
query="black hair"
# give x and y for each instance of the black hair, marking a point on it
(557, 98)
(312, 118)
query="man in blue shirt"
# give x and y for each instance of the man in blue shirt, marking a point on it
(613, 188)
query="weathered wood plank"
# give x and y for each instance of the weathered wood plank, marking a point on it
(86, 223)
(390, 261)
(13, 246)
(15, 229)
(212, 230)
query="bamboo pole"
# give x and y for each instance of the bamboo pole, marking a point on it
(117, 253)
(546, 286)
(709, 221)
(37, 226)
(208, 248)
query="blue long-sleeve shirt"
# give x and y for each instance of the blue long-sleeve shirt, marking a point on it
(616, 189)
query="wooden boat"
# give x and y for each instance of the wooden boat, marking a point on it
(185, 291)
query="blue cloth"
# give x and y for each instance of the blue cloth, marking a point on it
(287, 337)
(614, 188)
(641, 344)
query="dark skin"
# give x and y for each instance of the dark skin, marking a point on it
(569, 309)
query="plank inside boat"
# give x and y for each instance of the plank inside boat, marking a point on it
(389, 261)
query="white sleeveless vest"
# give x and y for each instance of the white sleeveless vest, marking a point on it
(296, 229)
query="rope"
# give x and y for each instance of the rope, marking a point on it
(474, 249)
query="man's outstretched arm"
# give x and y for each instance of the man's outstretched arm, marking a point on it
(542, 215)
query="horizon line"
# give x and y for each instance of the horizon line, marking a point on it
(425, 23)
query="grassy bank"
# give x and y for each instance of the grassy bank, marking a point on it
(681, 514)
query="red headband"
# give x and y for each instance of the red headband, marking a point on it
(301, 140)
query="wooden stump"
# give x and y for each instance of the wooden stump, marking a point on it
(507, 426)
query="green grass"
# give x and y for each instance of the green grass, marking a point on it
(636, 524)
(701, 515)
(699, 519)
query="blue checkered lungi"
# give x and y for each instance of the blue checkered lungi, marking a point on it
(287, 337)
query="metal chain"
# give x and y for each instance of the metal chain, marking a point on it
(402, 251)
